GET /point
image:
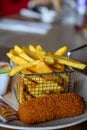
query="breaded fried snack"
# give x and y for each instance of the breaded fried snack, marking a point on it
(51, 107)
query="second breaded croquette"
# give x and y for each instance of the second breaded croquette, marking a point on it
(50, 107)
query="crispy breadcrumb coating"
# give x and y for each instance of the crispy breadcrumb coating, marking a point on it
(51, 107)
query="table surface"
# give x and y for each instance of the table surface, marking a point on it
(60, 35)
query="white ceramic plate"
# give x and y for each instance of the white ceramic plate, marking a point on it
(81, 88)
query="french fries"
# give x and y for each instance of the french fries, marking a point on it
(34, 62)
(16, 59)
(23, 55)
(19, 68)
(69, 62)
(61, 51)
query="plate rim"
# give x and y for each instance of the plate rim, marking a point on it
(44, 128)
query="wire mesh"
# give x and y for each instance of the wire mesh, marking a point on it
(36, 85)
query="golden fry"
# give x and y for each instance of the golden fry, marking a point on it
(61, 51)
(49, 60)
(18, 49)
(18, 68)
(40, 52)
(69, 62)
(26, 71)
(29, 52)
(32, 51)
(12, 51)
(32, 48)
(39, 47)
(22, 54)
(42, 67)
(59, 67)
(26, 57)
(16, 59)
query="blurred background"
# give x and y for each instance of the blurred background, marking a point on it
(67, 11)
(49, 11)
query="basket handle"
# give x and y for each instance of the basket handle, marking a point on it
(76, 49)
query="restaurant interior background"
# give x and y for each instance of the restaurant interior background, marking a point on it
(66, 11)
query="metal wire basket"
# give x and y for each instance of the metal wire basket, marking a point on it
(29, 86)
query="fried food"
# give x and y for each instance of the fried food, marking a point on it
(62, 51)
(51, 107)
(69, 62)
(22, 53)
(49, 62)
(19, 68)
(16, 59)
(42, 67)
